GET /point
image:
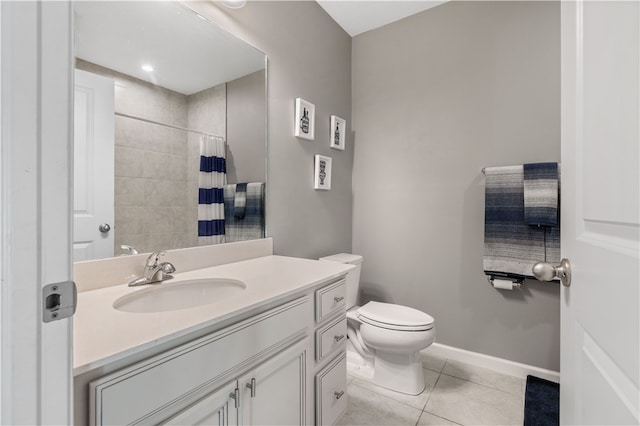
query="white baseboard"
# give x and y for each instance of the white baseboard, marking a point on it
(493, 363)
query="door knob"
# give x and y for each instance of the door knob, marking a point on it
(104, 228)
(546, 272)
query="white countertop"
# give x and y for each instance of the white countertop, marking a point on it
(102, 334)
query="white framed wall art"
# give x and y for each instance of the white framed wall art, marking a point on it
(304, 120)
(322, 172)
(337, 133)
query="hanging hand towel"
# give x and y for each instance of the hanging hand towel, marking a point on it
(240, 201)
(541, 194)
(511, 247)
(251, 225)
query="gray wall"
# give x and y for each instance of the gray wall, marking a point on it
(246, 127)
(437, 97)
(309, 57)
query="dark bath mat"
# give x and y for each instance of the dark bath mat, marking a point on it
(541, 402)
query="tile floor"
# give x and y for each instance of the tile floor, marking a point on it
(456, 394)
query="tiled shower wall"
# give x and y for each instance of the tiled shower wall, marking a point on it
(156, 167)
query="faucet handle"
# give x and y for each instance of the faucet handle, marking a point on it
(128, 250)
(167, 268)
(154, 258)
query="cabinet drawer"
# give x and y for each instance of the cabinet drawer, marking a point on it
(331, 337)
(130, 395)
(330, 299)
(331, 392)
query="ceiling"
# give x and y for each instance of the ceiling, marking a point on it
(125, 35)
(188, 53)
(358, 16)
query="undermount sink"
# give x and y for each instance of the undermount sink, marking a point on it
(173, 296)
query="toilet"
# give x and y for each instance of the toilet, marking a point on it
(384, 340)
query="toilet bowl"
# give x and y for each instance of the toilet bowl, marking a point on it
(384, 339)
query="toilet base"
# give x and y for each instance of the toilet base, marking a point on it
(384, 371)
(359, 367)
(399, 372)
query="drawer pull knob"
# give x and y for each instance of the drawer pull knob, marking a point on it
(338, 338)
(338, 395)
(252, 386)
(338, 299)
(235, 395)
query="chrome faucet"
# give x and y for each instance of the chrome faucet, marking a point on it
(154, 270)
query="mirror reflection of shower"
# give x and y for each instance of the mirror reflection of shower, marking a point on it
(163, 101)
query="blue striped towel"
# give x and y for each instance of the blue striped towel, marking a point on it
(244, 222)
(541, 194)
(240, 201)
(511, 247)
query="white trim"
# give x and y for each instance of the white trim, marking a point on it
(2, 216)
(35, 230)
(500, 365)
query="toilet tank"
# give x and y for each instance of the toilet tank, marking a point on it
(353, 276)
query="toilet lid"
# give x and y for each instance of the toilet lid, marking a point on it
(393, 316)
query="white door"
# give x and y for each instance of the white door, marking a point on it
(274, 393)
(35, 162)
(600, 348)
(93, 167)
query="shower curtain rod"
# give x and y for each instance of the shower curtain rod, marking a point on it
(146, 120)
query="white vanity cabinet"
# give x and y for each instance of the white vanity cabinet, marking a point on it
(216, 408)
(205, 381)
(273, 357)
(274, 393)
(330, 344)
(271, 394)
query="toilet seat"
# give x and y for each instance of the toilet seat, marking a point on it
(395, 317)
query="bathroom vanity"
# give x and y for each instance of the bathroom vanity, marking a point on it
(269, 351)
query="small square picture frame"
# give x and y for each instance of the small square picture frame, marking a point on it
(305, 119)
(322, 172)
(337, 132)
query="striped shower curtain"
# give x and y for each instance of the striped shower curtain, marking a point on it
(213, 177)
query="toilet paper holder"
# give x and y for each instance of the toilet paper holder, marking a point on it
(505, 283)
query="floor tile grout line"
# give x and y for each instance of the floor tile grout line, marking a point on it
(385, 396)
(441, 417)
(427, 401)
(435, 359)
(483, 385)
(429, 397)
(478, 383)
(463, 380)
(431, 391)
(496, 372)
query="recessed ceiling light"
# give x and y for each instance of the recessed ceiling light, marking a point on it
(234, 4)
(147, 68)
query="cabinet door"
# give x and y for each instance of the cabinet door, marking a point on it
(274, 393)
(216, 409)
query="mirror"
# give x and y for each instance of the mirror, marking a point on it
(152, 80)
